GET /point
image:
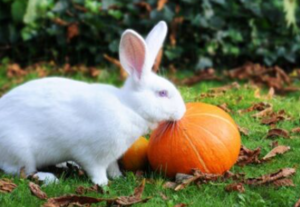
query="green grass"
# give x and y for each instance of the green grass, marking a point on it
(211, 194)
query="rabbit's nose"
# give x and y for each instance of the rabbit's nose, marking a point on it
(178, 115)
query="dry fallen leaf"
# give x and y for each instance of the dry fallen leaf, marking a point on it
(6, 186)
(272, 77)
(169, 184)
(207, 74)
(225, 88)
(83, 190)
(277, 150)
(278, 133)
(180, 205)
(284, 182)
(224, 107)
(35, 190)
(73, 31)
(271, 93)
(123, 73)
(163, 196)
(270, 178)
(161, 4)
(239, 187)
(198, 177)
(275, 117)
(14, 70)
(263, 113)
(248, 156)
(157, 62)
(74, 200)
(256, 107)
(297, 204)
(243, 130)
(135, 198)
(296, 130)
(177, 20)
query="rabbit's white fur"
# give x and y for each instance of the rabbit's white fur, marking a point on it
(53, 120)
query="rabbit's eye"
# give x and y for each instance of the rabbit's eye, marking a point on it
(163, 93)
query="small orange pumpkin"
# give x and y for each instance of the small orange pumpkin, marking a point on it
(206, 138)
(135, 157)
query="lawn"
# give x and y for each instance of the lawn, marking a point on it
(212, 193)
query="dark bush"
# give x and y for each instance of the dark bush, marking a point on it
(203, 33)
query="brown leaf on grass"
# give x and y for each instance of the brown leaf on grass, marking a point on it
(74, 200)
(248, 156)
(225, 88)
(270, 178)
(275, 117)
(35, 190)
(284, 182)
(73, 31)
(263, 113)
(278, 133)
(180, 205)
(296, 130)
(6, 186)
(297, 204)
(239, 187)
(83, 190)
(273, 77)
(94, 72)
(135, 198)
(243, 130)
(288, 90)
(281, 149)
(161, 4)
(163, 196)
(261, 106)
(169, 184)
(14, 70)
(224, 107)
(198, 177)
(157, 62)
(207, 74)
(123, 73)
(271, 93)
(274, 144)
(234, 176)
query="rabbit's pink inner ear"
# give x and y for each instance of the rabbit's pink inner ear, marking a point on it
(133, 54)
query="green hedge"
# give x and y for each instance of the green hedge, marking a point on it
(203, 33)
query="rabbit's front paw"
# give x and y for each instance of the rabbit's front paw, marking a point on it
(101, 181)
(47, 178)
(113, 170)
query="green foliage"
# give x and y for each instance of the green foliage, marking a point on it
(208, 33)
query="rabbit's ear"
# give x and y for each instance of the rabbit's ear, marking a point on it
(155, 40)
(133, 53)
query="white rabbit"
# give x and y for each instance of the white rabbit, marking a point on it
(53, 120)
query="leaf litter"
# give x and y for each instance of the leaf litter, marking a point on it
(36, 190)
(277, 132)
(78, 200)
(7, 186)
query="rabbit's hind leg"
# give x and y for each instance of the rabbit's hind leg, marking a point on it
(113, 170)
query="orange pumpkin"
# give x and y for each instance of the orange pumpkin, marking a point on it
(135, 157)
(206, 138)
